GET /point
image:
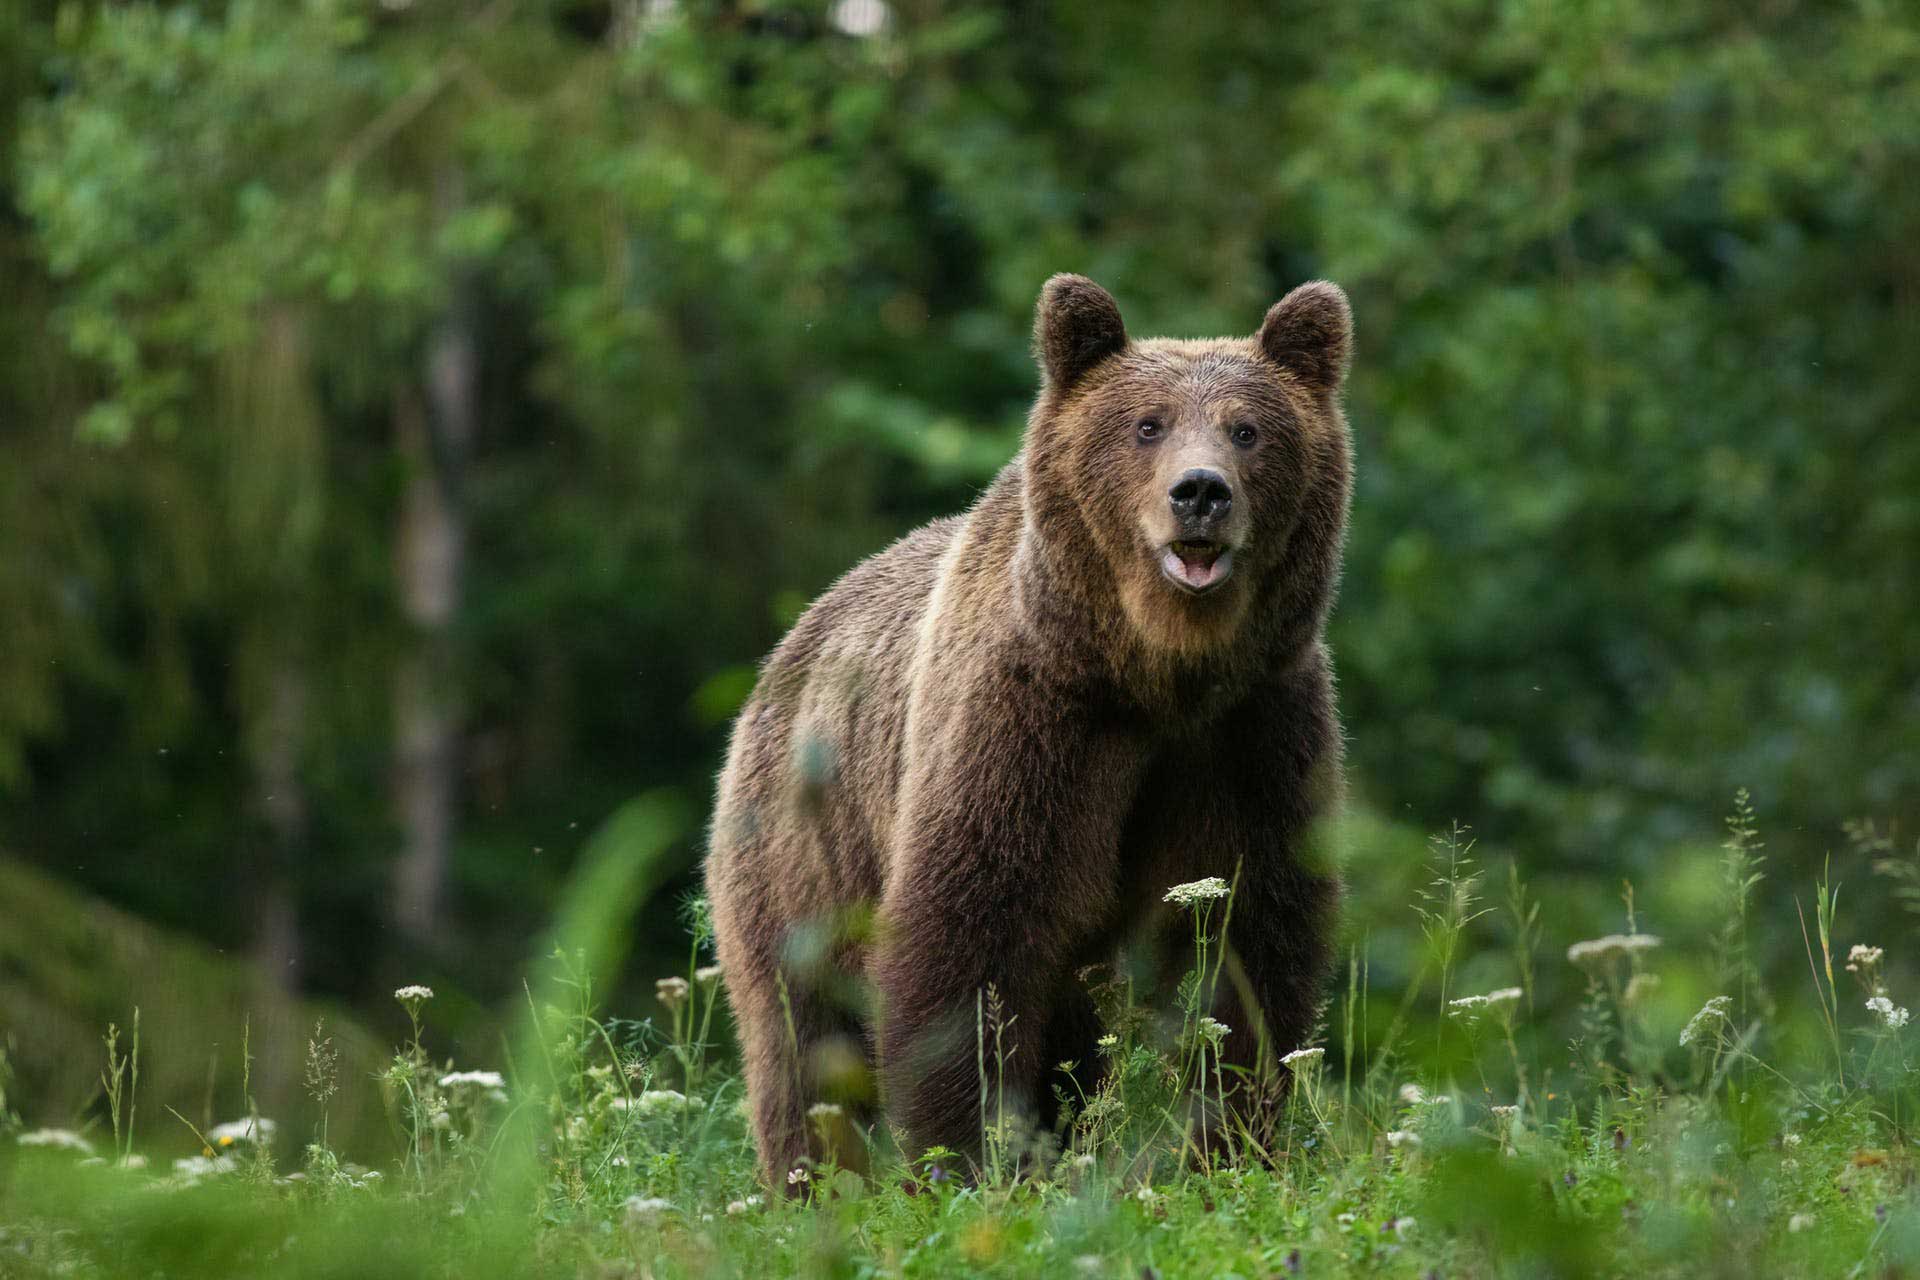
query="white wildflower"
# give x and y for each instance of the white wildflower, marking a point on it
(797, 1176)
(672, 992)
(415, 994)
(1611, 947)
(1505, 1113)
(1442, 1100)
(707, 975)
(1891, 1016)
(1403, 1227)
(736, 1207)
(195, 1167)
(657, 1101)
(1397, 1138)
(254, 1129)
(1581, 953)
(1863, 957)
(824, 1110)
(1301, 1059)
(1492, 1002)
(1800, 1222)
(861, 19)
(1146, 1195)
(478, 1079)
(647, 1208)
(1412, 1094)
(1702, 1023)
(1108, 1041)
(1214, 1031)
(1083, 1161)
(1790, 1139)
(1346, 1220)
(59, 1139)
(1197, 891)
(440, 1120)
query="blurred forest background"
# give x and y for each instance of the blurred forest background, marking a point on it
(418, 416)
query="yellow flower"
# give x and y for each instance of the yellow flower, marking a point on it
(982, 1242)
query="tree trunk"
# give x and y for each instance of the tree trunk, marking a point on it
(434, 440)
(273, 450)
(280, 802)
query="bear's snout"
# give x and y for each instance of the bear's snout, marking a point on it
(1200, 555)
(1201, 499)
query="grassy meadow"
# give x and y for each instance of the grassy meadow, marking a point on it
(1689, 1119)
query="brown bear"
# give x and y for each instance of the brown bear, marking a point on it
(1000, 740)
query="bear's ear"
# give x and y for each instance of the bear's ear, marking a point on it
(1310, 332)
(1075, 327)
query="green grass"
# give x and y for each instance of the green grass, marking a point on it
(1650, 1127)
(70, 965)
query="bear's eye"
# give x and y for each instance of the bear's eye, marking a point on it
(1151, 428)
(1244, 434)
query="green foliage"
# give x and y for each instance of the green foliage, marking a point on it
(1741, 875)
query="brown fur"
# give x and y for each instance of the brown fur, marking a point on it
(1008, 733)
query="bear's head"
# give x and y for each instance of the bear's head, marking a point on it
(1211, 477)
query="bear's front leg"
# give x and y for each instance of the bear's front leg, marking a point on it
(1004, 868)
(1268, 815)
(1279, 953)
(1277, 818)
(1269, 991)
(1278, 948)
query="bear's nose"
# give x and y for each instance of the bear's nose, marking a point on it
(1200, 496)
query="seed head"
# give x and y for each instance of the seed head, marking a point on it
(1712, 1013)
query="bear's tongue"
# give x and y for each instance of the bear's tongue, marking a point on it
(1198, 564)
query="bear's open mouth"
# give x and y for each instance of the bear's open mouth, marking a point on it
(1197, 565)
